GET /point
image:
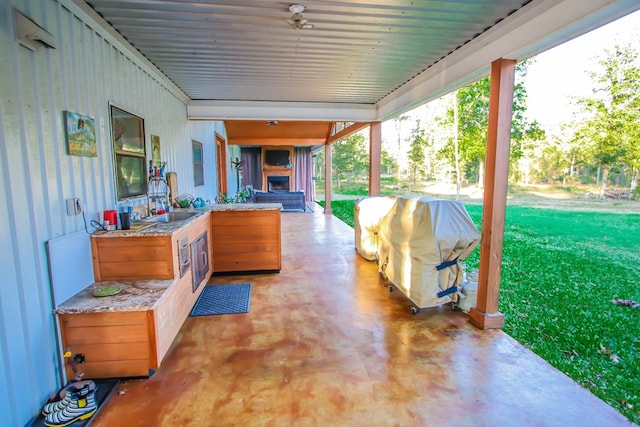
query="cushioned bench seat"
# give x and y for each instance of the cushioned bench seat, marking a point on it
(290, 200)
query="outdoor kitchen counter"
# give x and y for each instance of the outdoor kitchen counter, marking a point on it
(245, 207)
(137, 295)
(150, 228)
(128, 334)
(246, 237)
(241, 237)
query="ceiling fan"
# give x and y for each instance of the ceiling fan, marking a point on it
(297, 21)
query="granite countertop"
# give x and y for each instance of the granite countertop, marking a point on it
(245, 207)
(138, 295)
(149, 228)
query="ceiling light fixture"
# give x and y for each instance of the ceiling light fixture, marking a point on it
(297, 21)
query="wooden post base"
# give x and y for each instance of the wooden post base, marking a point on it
(486, 320)
(328, 211)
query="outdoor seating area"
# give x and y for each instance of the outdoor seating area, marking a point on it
(290, 200)
(325, 343)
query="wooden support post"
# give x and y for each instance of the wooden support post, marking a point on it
(375, 153)
(485, 315)
(327, 179)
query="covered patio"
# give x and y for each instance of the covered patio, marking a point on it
(325, 343)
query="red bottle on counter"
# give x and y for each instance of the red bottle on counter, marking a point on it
(111, 217)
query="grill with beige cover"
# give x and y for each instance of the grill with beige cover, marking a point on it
(421, 242)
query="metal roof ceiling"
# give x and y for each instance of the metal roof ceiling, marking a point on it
(359, 53)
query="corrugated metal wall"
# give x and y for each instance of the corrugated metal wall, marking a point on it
(88, 70)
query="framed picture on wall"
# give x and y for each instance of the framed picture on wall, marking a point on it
(81, 135)
(127, 130)
(127, 133)
(156, 158)
(198, 163)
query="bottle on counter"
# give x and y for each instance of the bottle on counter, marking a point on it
(160, 208)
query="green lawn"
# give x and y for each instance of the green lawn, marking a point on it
(561, 272)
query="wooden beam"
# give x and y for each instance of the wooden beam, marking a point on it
(375, 156)
(485, 315)
(277, 141)
(347, 131)
(329, 132)
(221, 164)
(327, 179)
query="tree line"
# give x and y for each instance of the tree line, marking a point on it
(599, 146)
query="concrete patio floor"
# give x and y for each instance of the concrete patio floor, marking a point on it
(326, 344)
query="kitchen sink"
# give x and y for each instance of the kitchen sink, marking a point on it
(173, 216)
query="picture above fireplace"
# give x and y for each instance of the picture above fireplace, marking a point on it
(277, 158)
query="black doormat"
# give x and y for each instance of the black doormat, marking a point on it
(223, 299)
(104, 390)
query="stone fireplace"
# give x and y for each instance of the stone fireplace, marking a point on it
(277, 183)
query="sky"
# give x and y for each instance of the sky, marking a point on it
(557, 75)
(561, 73)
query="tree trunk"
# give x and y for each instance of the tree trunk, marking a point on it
(398, 123)
(398, 165)
(456, 147)
(598, 175)
(481, 173)
(572, 169)
(634, 181)
(603, 187)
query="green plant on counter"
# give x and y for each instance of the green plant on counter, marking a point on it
(241, 196)
(224, 198)
(184, 200)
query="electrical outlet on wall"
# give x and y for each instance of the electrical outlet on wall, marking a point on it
(74, 207)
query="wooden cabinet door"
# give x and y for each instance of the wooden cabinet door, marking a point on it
(246, 241)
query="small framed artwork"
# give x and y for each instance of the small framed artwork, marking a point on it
(127, 131)
(155, 151)
(198, 163)
(81, 135)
